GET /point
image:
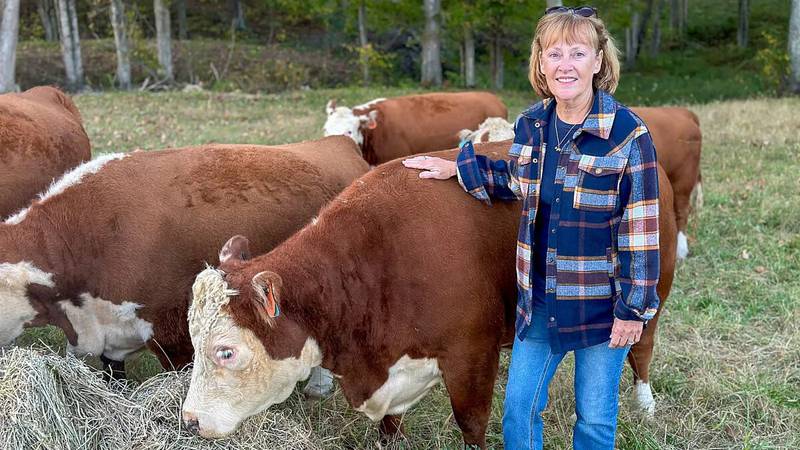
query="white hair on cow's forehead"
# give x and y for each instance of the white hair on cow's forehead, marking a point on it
(210, 292)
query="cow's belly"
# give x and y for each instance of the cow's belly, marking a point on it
(409, 380)
(105, 328)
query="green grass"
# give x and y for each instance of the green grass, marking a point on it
(726, 372)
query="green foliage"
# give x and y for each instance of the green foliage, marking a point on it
(773, 59)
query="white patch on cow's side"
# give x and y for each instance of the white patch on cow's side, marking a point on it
(105, 328)
(370, 103)
(643, 399)
(15, 307)
(320, 383)
(409, 380)
(71, 178)
(683, 245)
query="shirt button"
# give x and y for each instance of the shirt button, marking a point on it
(536, 124)
(598, 171)
(558, 199)
(534, 160)
(553, 230)
(552, 319)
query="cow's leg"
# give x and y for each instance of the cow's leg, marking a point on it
(682, 209)
(112, 369)
(469, 377)
(391, 429)
(639, 357)
(320, 383)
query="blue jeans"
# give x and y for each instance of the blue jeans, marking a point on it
(598, 370)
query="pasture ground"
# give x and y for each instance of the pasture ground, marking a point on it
(726, 373)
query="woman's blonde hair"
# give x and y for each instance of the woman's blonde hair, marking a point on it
(572, 28)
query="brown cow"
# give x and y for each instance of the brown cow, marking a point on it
(677, 138)
(386, 129)
(109, 255)
(41, 137)
(399, 284)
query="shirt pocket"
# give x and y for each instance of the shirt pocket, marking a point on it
(597, 186)
(527, 169)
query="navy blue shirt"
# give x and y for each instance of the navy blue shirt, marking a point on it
(547, 190)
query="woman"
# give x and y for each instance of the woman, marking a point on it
(587, 253)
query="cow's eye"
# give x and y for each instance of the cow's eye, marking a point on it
(348, 132)
(225, 354)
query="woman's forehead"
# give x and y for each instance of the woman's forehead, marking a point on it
(569, 34)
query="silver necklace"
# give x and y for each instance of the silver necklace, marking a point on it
(559, 141)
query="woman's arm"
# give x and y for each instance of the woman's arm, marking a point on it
(637, 237)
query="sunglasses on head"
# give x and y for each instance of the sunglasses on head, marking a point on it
(583, 11)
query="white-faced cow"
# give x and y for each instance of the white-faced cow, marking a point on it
(41, 137)
(386, 129)
(678, 140)
(109, 254)
(401, 283)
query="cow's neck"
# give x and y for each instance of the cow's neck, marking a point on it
(368, 147)
(326, 289)
(21, 242)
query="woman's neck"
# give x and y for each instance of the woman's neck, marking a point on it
(575, 110)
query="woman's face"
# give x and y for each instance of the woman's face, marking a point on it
(569, 69)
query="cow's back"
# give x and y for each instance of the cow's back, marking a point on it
(41, 136)
(676, 136)
(425, 123)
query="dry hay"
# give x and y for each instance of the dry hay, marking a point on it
(53, 402)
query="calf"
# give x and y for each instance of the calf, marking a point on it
(399, 284)
(386, 129)
(110, 252)
(677, 138)
(41, 137)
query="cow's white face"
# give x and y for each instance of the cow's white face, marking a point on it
(233, 376)
(15, 306)
(342, 121)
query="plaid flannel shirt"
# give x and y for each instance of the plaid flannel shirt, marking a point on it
(602, 252)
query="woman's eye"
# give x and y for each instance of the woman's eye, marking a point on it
(224, 354)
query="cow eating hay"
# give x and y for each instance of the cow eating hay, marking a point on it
(47, 401)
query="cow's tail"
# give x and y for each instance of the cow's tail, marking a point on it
(697, 194)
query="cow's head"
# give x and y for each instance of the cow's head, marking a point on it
(248, 355)
(16, 307)
(493, 129)
(343, 121)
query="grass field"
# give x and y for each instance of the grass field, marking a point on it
(726, 373)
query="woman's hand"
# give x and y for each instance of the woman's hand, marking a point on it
(432, 167)
(625, 332)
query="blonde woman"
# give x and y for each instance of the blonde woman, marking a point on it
(584, 167)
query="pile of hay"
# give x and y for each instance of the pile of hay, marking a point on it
(53, 402)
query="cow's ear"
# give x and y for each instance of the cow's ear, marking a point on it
(267, 287)
(236, 249)
(371, 119)
(331, 106)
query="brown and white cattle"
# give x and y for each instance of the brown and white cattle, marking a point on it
(109, 254)
(399, 284)
(391, 128)
(41, 137)
(678, 141)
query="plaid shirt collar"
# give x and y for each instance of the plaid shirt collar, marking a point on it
(598, 122)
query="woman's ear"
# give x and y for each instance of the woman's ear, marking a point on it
(599, 63)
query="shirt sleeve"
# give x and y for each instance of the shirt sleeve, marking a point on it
(637, 237)
(485, 178)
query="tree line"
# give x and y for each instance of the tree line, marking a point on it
(441, 39)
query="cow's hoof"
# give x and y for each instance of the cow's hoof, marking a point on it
(320, 384)
(683, 246)
(643, 399)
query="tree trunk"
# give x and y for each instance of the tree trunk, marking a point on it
(237, 14)
(551, 3)
(469, 57)
(9, 32)
(744, 23)
(632, 41)
(163, 39)
(362, 39)
(497, 63)
(180, 13)
(44, 7)
(645, 20)
(655, 38)
(794, 47)
(675, 16)
(121, 40)
(684, 17)
(431, 45)
(70, 44)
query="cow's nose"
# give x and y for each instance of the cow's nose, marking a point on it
(191, 422)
